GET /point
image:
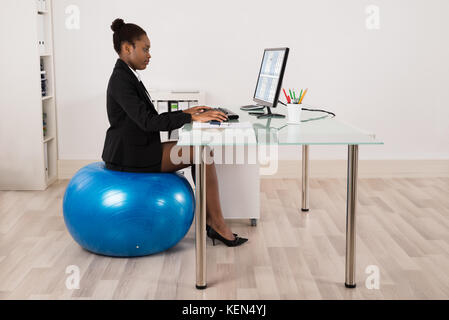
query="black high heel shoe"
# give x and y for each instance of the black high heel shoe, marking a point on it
(214, 235)
(208, 227)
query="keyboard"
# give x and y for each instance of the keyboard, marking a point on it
(231, 115)
(252, 107)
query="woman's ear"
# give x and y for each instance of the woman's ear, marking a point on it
(126, 48)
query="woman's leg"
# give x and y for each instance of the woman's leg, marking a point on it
(214, 214)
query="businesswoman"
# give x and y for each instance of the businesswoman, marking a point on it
(133, 142)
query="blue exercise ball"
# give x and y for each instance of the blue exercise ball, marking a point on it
(126, 214)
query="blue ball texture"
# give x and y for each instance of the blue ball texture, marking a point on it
(126, 214)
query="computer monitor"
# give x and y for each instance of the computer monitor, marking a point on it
(269, 82)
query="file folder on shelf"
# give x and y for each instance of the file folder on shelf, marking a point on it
(193, 104)
(162, 106)
(183, 105)
(174, 105)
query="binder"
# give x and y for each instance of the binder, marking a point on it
(174, 106)
(183, 105)
(162, 106)
(193, 104)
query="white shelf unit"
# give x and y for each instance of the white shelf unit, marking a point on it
(29, 155)
(162, 100)
(49, 138)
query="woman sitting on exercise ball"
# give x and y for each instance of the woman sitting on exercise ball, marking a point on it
(133, 142)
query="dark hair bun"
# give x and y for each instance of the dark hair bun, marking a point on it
(117, 25)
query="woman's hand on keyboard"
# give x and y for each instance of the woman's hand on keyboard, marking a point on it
(209, 115)
(198, 109)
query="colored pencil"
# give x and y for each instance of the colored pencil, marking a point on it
(286, 96)
(304, 94)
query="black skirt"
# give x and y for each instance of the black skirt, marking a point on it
(153, 169)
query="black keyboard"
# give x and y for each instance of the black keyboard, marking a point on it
(231, 115)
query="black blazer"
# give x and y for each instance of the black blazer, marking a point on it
(133, 141)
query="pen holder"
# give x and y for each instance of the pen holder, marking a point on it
(294, 113)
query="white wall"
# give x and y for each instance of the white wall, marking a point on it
(392, 81)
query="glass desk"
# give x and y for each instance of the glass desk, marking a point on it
(316, 128)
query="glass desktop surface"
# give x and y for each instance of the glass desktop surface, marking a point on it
(316, 128)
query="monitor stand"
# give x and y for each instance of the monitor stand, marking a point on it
(270, 115)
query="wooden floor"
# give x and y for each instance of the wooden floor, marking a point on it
(402, 228)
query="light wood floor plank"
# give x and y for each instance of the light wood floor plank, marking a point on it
(402, 228)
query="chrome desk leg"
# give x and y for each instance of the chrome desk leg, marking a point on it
(305, 178)
(200, 218)
(351, 204)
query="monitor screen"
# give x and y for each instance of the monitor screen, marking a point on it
(271, 75)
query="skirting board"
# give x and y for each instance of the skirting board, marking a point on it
(325, 168)
(367, 169)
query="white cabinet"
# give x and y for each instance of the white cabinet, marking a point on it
(239, 189)
(239, 184)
